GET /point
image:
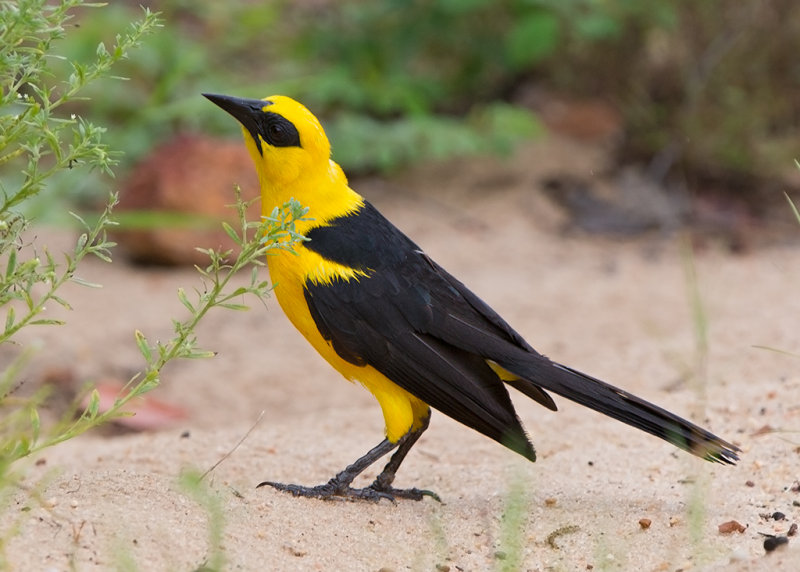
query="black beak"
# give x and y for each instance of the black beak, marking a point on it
(246, 111)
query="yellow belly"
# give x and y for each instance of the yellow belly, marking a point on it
(289, 272)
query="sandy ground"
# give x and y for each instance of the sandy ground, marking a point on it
(618, 310)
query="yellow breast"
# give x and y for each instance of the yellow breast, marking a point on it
(289, 272)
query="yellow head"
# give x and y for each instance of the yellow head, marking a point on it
(284, 138)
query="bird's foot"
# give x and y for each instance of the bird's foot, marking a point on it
(330, 491)
(411, 494)
(333, 490)
(383, 484)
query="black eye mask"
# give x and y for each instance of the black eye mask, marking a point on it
(276, 130)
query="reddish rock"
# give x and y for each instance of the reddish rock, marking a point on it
(189, 175)
(731, 526)
(592, 120)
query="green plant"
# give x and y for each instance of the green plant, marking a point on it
(511, 542)
(38, 144)
(191, 482)
(39, 140)
(42, 144)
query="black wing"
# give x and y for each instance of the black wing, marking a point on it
(428, 333)
(387, 321)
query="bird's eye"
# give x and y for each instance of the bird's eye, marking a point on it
(279, 131)
(276, 131)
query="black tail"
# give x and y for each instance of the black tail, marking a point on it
(625, 407)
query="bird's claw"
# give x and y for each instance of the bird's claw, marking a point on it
(335, 491)
(411, 494)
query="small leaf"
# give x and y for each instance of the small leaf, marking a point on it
(232, 306)
(47, 322)
(792, 205)
(144, 346)
(51, 262)
(230, 231)
(148, 384)
(86, 283)
(12, 263)
(36, 425)
(202, 271)
(94, 404)
(199, 354)
(101, 254)
(83, 224)
(63, 303)
(23, 448)
(185, 300)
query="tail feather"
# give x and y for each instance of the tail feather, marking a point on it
(626, 407)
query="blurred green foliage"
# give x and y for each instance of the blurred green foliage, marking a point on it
(380, 112)
(414, 57)
(41, 136)
(399, 81)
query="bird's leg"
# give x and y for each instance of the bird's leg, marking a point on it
(339, 486)
(383, 482)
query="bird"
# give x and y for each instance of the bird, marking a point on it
(384, 314)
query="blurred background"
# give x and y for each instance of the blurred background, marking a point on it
(696, 102)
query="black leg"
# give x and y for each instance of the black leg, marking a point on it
(383, 482)
(339, 486)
